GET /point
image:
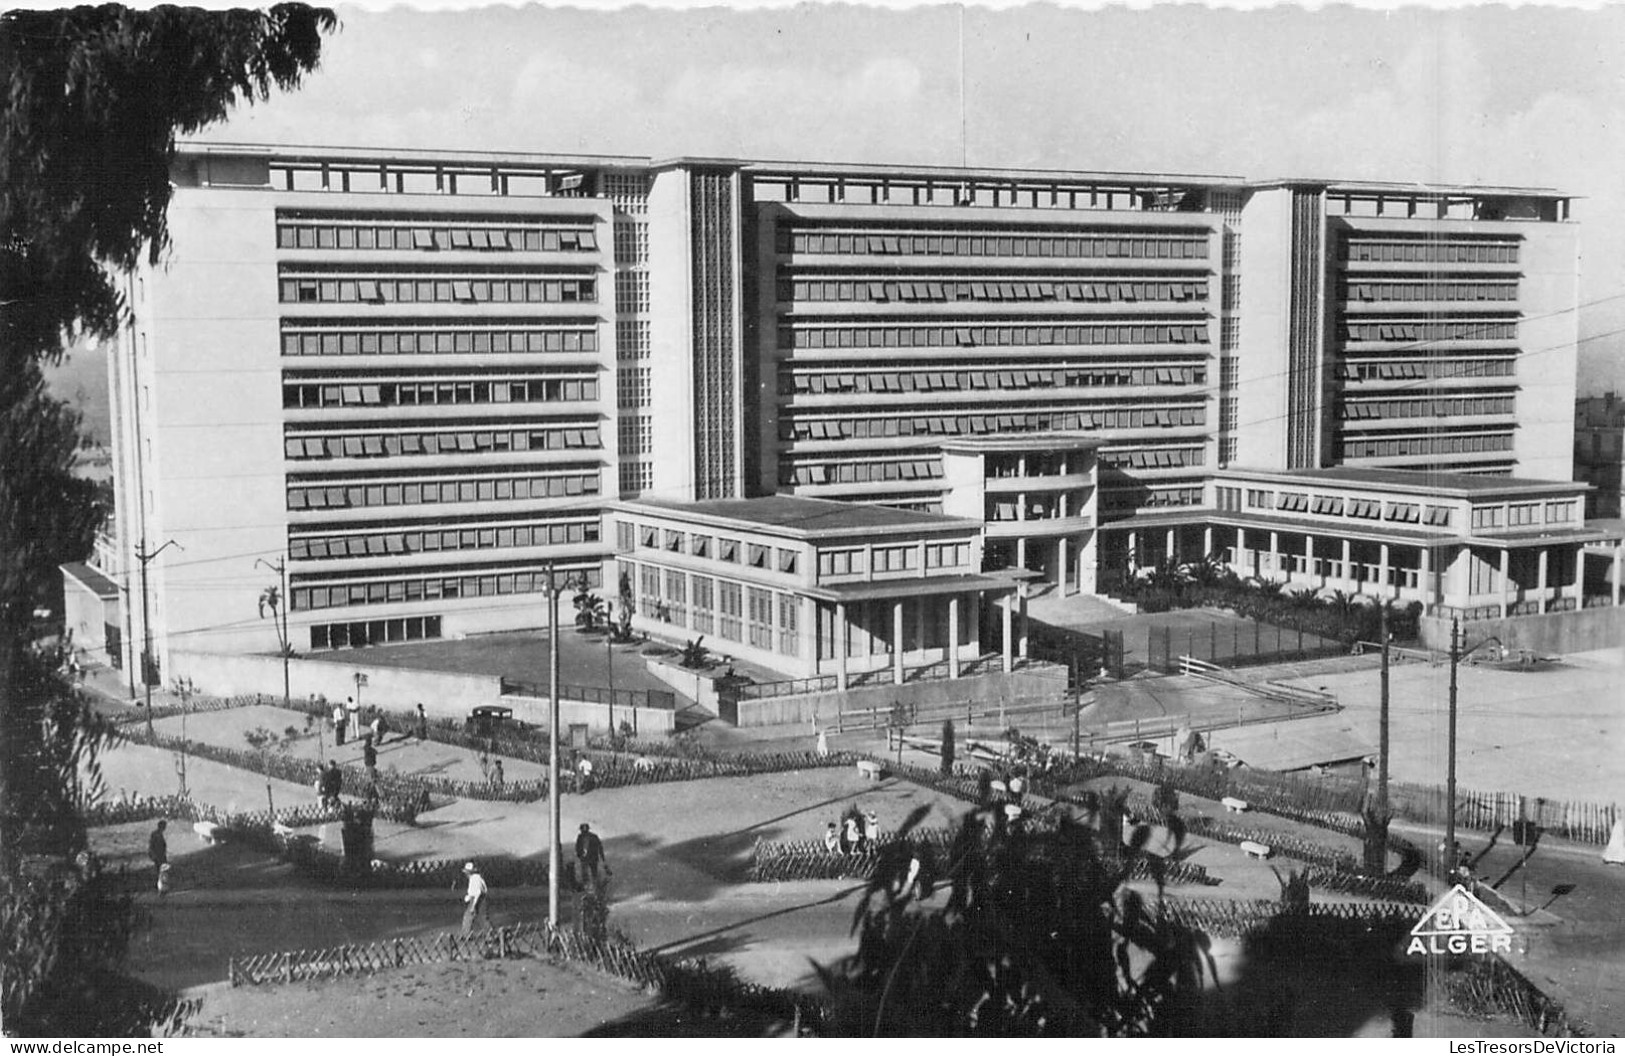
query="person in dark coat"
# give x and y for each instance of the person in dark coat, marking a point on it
(590, 852)
(423, 724)
(158, 851)
(332, 785)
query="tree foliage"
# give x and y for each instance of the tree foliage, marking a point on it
(1036, 935)
(94, 97)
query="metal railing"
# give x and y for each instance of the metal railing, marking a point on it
(620, 698)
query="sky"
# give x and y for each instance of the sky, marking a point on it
(1481, 94)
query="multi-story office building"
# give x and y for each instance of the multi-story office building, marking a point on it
(1599, 450)
(420, 377)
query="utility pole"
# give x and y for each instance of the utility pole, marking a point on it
(280, 609)
(609, 667)
(553, 856)
(1383, 717)
(145, 557)
(1450, 774)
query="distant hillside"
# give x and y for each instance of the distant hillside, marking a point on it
(81, 379)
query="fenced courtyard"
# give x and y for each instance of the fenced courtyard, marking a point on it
(1131, 644)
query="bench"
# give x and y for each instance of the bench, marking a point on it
(1234, 805)
(1254, 849)
(869, 769)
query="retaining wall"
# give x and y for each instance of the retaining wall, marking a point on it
(1555, 633)
(443, 694)
(826, 705)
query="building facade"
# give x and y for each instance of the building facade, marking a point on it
(1599, 451)
(411, 383)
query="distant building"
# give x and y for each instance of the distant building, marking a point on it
(1599, 451)
(422, 379)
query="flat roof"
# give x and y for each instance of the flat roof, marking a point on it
(1023, 442)
(92, 579)
(800, 515)
(1457, 485)
(910, 587)
(759, 166)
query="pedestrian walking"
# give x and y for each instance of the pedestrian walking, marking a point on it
(352, 712)
(584, 774)
(497, 778)
(423, 723)
(340, 718)
(369, 759)
(379, 726)
(474, 900)
(590, 853)
(158, 851)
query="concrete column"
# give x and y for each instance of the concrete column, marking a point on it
(1382, 570)
(1133, 550)
(1004, 615)
(1275, 554)
(1172, 546)
(1021, 552)
(1348, 566)
(1619, 569)
(953, 636)
(1425, 580)
(1506, 581)
(840, 646)
(1579, 578)
(1060, 567)
(1023, 621)
(897, 642)
(1207, 540)
(1309, 559)
(1240, 561)
(1540, 579)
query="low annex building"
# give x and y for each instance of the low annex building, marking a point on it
(810, 587)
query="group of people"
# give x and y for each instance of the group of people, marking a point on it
(857, 833)
(590, 859)
(348, 722)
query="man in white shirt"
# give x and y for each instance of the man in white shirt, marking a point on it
(474, 900)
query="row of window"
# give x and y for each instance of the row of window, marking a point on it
(974, 424)
(1437, 406)
(1157, 458)
(1444, 444)
(415, 234)
(720, 607)
(424, 393)
(416, 541)
(1524, 514)
(1361, 370)
(419, 493)
(630, 535)
(1085, 292)
(463, 441)
(1467, 330)
(965, 380)
(435, 341)
(470, 290)
(1181, 246)
(1419, 290)
(436, 586)
(1156, 498)
(1431, 251)
(838, 336)
(859, 472)
(856, 561)
(357, 633)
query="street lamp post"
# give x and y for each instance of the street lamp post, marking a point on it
(143, 555)
(553, 856)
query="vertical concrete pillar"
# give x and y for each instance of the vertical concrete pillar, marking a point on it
(1021, 552)
(1172, 544)
(1207, 540)
(1540, 579)
(1061, 583)
(897, 642)
(1275, 555)
(1004, 615)
(1382, 570)
(1133, 551)
(1348, 566)
(1619, 569)
(840, 646)
(953, 636)
(1309, 558)
(1506, 581)
(1425, 580)
(1023, 594)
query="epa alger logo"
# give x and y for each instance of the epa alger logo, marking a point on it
(1460, 923)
